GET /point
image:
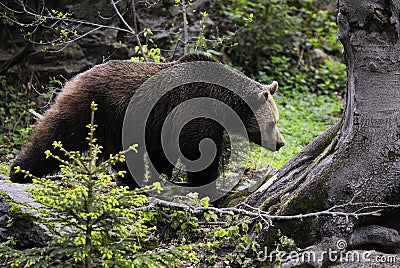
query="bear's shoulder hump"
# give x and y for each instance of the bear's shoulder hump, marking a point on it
(195, 57)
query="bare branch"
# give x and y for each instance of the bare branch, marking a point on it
(257, 213)
(185, 27)
(130, 29)
(36, 114)
(134, 14)
(40, 19)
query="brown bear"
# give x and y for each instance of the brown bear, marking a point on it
(112, 85)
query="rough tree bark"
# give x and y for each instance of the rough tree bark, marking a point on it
(358, 159)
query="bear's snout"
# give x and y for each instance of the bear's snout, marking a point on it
(279, 145)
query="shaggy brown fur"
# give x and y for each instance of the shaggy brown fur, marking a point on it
(111, 85)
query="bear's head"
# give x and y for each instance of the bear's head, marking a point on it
(263, 126)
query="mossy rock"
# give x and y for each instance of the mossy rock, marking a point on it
(18, 216)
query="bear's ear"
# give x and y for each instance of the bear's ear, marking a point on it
(273, 87)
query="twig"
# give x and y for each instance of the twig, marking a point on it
(134, 14)
(50, 177)
(57, 19)
(211, 223)
(36, 114)
(185, 27)
(299, 61)
(130, 29)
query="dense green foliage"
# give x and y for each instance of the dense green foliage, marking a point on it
(14, 119)
(293, 42)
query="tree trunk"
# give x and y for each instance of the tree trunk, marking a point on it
(358, 159)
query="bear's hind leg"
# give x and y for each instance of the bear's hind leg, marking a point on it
(161, 165)
(53, 127)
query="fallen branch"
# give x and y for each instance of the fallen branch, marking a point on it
(253, 212)
(36, 114)
(51, 177)
(257, 213)
(16, 59)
